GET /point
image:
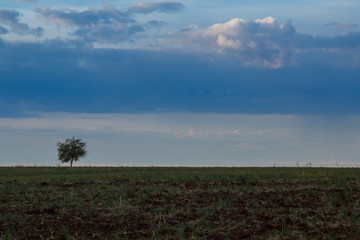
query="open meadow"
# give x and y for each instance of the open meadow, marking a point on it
(179, 203)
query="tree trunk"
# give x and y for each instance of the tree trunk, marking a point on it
(71, 161)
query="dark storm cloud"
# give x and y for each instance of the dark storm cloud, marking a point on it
(10, 18)
(62, 78)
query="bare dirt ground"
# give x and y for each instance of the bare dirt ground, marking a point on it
(181, 209)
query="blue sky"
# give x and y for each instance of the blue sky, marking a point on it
(287, 69)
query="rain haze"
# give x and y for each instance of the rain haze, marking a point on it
(182, 83)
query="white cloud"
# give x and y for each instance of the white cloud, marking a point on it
(231, 28)
(223, 42)
(265, 43)
(267, 20)
(259, 43)
(236, 132)
(190, 133)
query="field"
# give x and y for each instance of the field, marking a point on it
(179, 203)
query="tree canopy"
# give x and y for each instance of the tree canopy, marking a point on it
(71, 150)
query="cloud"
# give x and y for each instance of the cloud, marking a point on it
(149, 7)
(84, 122)
(248, 133)
(265, 43)
(190, 133)
(261, 43)
(88, 18)
(109, 34)
(3, 30)
(24, 1)
(338, 51)
(60, 76)
(342, 26)
(155, 24)
(249, 146)
(236, 132)
(109, 24)
(11, 18)
(112, 135)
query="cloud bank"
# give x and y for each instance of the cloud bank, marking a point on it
(10, 18)
(134, 81)
(342, 26)
(109, 24)
(185, 139)
(259, 66)
(262, 43)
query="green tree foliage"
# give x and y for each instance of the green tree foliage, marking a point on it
(71, 150)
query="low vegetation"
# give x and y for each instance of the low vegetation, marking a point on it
(179, 203)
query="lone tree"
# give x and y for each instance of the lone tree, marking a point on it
(71, 150)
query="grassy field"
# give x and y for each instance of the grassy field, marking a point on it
(179, 203)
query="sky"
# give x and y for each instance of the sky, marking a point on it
(183, 83)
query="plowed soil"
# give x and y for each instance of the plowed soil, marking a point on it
(181, 209)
